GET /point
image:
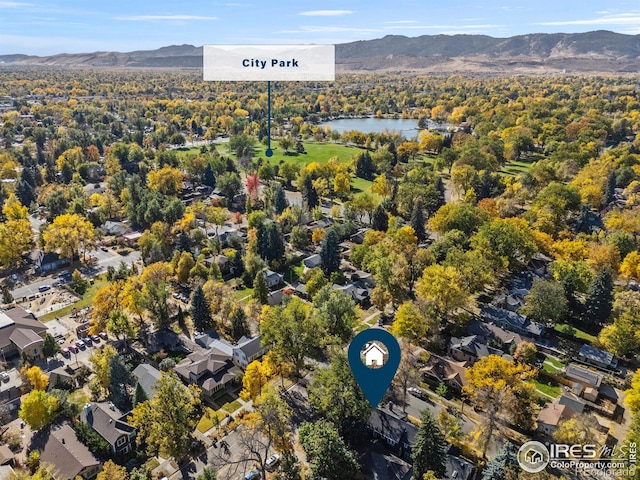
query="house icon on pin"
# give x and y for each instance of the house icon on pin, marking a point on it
(374, 355)
(533, 457)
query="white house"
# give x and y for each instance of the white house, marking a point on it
(374, 355)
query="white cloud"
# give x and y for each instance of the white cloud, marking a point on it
(4, 4)
(154, 18)
(628, 19)
(327, 29)
(325, 13)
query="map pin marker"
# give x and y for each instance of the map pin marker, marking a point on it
(369, 346)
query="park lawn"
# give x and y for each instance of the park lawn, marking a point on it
(514, 168)
(582, 335)
(86, 300)
(359, 185)
(551, 389)
(319, 152)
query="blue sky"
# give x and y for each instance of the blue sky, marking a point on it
(48, 27)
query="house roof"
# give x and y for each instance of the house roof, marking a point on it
(211, 369)
(15, 318)
(25, 337)
(114, 228)
(312, 261)
(513, 319)
(148, 377)
(552, 414)
(572, 401)
(457, 467)
(6, 455)
(250, 346)
(107, 420)
(596, 355)
(60, 447)
(583, 375)
(445, 369)
(393, 424)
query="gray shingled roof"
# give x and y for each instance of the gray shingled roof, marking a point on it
(148, 377)
(60, 447)
(105, 421)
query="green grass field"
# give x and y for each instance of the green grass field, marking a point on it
(316, 152)
(551, 389)
(582, 335)
(208, 419)
(552, 365)
(85, 301)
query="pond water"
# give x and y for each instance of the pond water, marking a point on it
(406, 127)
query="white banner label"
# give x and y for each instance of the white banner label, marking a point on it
(269, 62)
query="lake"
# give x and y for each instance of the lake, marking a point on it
(407, 127)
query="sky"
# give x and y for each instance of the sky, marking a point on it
(45, 27)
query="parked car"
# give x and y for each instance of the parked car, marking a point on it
(252, 475)
(95, 338)
(80, 344)
(87, 341)
(65, 352)
(73, 348)
(4, 376)
(272, 461)
(103, 335)
(416, 392)
(44, 288)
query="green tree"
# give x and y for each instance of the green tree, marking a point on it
(230, 185)
(336, 312)
(546, 302)
(336, 395)
(139, 395)
(292, 332)
(327, 452)
(113, 471)
(261, 289)
(209, 473)
(185, 264)
(599, 301)
(199, 310)
(239, 325)
(380, 219)
(428, 451)
(330, 252)
(165, 423)
(503, 466)
(50, 347)
(508, 242)
(417, 220)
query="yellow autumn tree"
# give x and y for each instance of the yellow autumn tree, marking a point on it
(69, 233)
(167, 180)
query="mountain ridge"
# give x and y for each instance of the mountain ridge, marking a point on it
(595, 51)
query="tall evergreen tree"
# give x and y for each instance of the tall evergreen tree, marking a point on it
(279, 198)
(309, 193)
(610, 190)
(139, 395)
(239, 326)
(238, 264)
(199, 310)
(380, 219)
(209, 177)
(330, 252)
(417, 220)
(25, 193)
(503, 466)
(428, 451)
(599, 300)
(260, 288)
(27, 176)
(270, 241)
(364, 166)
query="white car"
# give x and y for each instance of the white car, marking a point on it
(272, 461)
(416, 392)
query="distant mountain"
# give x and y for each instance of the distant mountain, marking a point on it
(598, 51)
